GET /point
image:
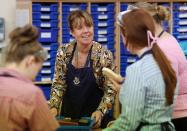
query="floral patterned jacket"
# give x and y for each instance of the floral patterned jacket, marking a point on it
(101, 57)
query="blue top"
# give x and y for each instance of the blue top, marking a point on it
(142, 96)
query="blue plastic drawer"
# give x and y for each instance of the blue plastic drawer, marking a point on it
(46, 24)
(65, 16)
(102, 7)
(113, 51)
(44, 16)
(53, 69)
(110, 46)
(46, 63)
(78, 127)
(103, 23)
(53, 54)
(175, 15)
(45, 8)
(181, 36)
(47, 47)
(45, 70)
(66, 34)
(104, 38)
(183, 15)
(123, 73)
(52, 61)
(124, 51)
(71, 7)
(65, 24)
(100, 16)
(176, 22)
(66, 31)
(67, 38)
(124, 6)
(128, 59)
(180, 15)
(46, 78)
(183, 8)
(48, 35)
(104, 31)
(38, 78)
(46, 90)
(180, 29)
(123, 66)
(180, 6)
(182, 22)
(54, 46)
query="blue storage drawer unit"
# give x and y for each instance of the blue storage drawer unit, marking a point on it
(180, 22)
(110, 46)
(180, 36)
(52, 61)
(46, 24)
(104, 31)
(46, 63)
(67, 38)
(183, 8)
(180, 6)
(54, 46)
(123, 50)
(65, 24)
(66, 31)
(104, 23)
(68, 7)
(48, 35)
(101, 16)
(38, 78)
(45, 70)
(124, 6)
(46, 78)
(46, 89)
(128, 59)
(65, 16)
(45, 16)
(47, 47)
(44, 7)
(180, 15)
(108, 38)
(104, 7)
(180, 29)
(53, 54)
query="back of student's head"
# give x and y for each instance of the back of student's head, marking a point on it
(158, 12)
(135, 26)
(23, 42)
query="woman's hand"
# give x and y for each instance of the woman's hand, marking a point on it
(97, 115)
(117, 84)
(116, 79)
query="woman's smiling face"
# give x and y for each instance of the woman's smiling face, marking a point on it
(83, 33)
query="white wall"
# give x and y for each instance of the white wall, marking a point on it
(8, 12)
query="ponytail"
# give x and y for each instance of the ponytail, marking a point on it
(168, 73)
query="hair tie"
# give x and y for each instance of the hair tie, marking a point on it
(154, 39)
